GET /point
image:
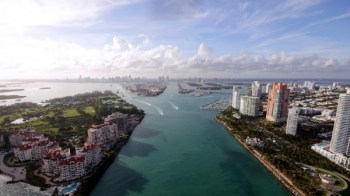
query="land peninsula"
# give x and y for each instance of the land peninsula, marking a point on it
(65, 123)
(289, 158)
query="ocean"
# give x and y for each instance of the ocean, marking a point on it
(178, 149)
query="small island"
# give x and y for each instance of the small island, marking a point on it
(87, 130)
(150, 89)
(10, 90)
(4, 97)
(44, 88)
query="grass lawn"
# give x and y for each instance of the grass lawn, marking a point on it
(70, 112)
(90, 110)
(50, 114)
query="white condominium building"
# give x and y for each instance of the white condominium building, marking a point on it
(33, 150)
(103, 133)
(91, 153)
(256, 89)
(249, 106)
(237, 92)
(292, 121)
(120, 119)
(341, 130)
(71, 168)
(51, 160)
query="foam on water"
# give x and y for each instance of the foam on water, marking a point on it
(143, 102)
(173, 105)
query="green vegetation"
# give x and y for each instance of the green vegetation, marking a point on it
(283, 151)
(70, 112)
(66, 119)
(90, 110)
(32, 178)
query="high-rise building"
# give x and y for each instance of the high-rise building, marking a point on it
(341, 131)
(335, 85)
(256, 89)
(277, 103)
(292, 121)
(249, 105)
(309, 85)
(237, 92)
(268, 87)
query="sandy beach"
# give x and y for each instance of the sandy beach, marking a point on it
(277, 173)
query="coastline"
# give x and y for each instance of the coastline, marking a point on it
(90, 182)
(277, 173)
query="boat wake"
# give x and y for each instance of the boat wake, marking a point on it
(173, 105)
(143, 102)
(160, 111)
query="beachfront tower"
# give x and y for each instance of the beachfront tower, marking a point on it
(256, 89)
(277, 103)
(237, 92)
(249, 106)
(292, 122)
(341, 131)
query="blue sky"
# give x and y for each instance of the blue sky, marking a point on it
(180, 38)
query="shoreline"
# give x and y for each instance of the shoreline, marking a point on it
(89, 184)
(277, 173)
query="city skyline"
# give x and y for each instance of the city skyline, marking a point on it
(232, 39)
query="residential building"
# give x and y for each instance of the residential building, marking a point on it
(249, 106)
(277, 104)
(120, 119)
(268, 87)
(17, 136)
(33, 150)
(309, 85)
(256, 89)
(71, 168)
(103, 133)
(337, 158)
(335, 85)
(237, 92)
(91, 153)
(51, 160)
(23, 152)
(292, 122)
(341, 130)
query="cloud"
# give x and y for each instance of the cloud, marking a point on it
(19, 16)
(58, 59)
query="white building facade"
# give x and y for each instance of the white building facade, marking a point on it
(341, 130)
(103, 133)
(249, 106)
(292, 121)
(256, 89)
(237, 92)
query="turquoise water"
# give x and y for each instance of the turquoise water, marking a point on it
(184, 152)
(69, 189)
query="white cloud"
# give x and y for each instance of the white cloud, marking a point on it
(30, 58)
(18, 16)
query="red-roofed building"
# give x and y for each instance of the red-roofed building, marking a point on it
(71, 168)
(92, 154)
(103, 133)
(51, 160)
(34, 150)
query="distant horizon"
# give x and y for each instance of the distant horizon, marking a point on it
(170, 78)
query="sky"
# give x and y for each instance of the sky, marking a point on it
(49, 39)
